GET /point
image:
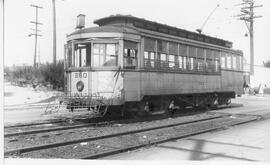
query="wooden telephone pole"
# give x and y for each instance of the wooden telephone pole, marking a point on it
(54, 33)
(248, 15)
(35, 33)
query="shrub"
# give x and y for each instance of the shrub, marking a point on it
(54, 74)
(44, 74)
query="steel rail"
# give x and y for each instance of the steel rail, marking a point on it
(60, 128)
(33, 124)
(121, 150)
(154, 117)
(53, 145)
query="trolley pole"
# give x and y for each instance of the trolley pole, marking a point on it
(248, 16)
(36, 32)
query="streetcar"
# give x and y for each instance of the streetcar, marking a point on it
(145, 67)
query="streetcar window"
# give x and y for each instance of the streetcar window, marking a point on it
(223, 61)
(152, 59)
(146, 55)
(149, 59)
(200, 65)
(69, 55)
(200, 53)
(180, 60)
(173, 52)
(234, 62)
(216, 65)
(82, 55)
(150, 44)
(184, 62)
(171, 61)
(105, 55)
(241, 63)
(216, 55)
(163, 60)
(182, 50)
(162, 46)
(209, 54)
(99, 50)
(130, 58)
(209, 65)
(111, 55)
(238, 62)
(229, 61)
(191, 63)
(173, 48)
(192, 51)
(146, 59)
(130, 54)
(163, 57)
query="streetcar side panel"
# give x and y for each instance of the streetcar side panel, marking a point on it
(139, 84)
(232, 81)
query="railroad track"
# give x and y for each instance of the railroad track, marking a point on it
(58, 125)
(58, 128)
(108, 144)
(35, 124)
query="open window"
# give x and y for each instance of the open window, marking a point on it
(82, 55)
(162, 54)
(130, 55)
(200, 65)
(171, 59)
(150, 56)
(182, 58)
(149, 59)
(192, 57)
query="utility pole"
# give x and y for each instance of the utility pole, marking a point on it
(3, 3)
(36, 32)
(54, 33)
(248, 15)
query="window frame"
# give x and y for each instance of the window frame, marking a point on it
(102, 57)
(128, 58)
(75, 60)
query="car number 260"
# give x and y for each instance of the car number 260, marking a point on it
(81, 75)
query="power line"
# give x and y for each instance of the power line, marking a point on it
(247, 14)
(35, 31)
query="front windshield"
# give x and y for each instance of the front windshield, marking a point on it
(102, 55)
(105, 55)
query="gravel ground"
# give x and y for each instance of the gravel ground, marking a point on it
(86, 132)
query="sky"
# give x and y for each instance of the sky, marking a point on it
(184, 14)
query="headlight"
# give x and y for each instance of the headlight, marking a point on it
(80, 86)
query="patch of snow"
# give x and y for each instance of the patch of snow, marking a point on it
(25, 95)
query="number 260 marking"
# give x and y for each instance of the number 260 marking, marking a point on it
(80, 75)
